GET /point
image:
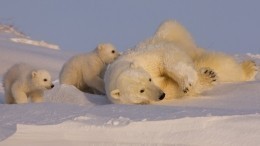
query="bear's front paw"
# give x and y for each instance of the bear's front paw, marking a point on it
(208, 75)
(186, 89)
(250, 70)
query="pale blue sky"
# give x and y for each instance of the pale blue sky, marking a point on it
(231, 26)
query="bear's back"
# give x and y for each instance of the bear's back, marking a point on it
(19, 71)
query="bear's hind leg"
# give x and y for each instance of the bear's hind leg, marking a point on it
(9, 99)
(249, 69)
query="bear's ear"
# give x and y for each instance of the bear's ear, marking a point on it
(100, 47)
(133, 65)
(34, 74)
(115, 94)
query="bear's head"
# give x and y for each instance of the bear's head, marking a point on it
(135, 86)
(41, 80)
(107, 52)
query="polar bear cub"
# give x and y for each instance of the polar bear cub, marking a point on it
(84, 71)
(22, 81)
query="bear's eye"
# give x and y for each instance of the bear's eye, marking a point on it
(142, 91)
(45, 80)
(150, 79)
(113, 51)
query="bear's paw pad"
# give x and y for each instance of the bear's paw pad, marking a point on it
(187, 88)
(208, 75)
(250, 69)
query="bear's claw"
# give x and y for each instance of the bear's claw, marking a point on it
(208, 75)
(186, 90)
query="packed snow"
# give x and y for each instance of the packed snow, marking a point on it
(226, 115)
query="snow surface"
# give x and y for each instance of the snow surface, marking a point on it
(226, 115)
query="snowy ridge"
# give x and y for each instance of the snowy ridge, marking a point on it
(23, 39)
(12, 30)
(35, 43)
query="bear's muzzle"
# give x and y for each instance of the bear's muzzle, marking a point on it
(162, 96)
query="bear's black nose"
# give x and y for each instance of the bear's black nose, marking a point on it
(52, 86)
(162, 96)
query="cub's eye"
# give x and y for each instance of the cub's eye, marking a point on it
(142, 91)
(45, 80)
(150, 79)
(113, 51)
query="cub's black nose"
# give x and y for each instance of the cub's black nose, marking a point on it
(162, 96)
(52, 86)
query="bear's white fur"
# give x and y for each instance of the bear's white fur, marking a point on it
(84, 70)
(175, 65)
(22, 81)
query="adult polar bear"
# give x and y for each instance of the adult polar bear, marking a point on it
(169, 65)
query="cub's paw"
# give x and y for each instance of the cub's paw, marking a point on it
(208, 76)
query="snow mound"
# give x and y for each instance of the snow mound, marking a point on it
(70, 94)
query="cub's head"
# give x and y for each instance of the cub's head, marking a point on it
(107, 52)
(41, 79)
(135, 86)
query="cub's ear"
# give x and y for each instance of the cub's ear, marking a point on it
(100, 46)
(133, 65)
(34, 74)
(115, 94)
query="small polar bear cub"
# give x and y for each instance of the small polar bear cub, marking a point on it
(22, 81)
(84, 71)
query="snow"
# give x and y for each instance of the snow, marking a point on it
(226, 115)
(35, 43)
(10, 29)
(208, 131)
(19, 37)
(257, 56)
